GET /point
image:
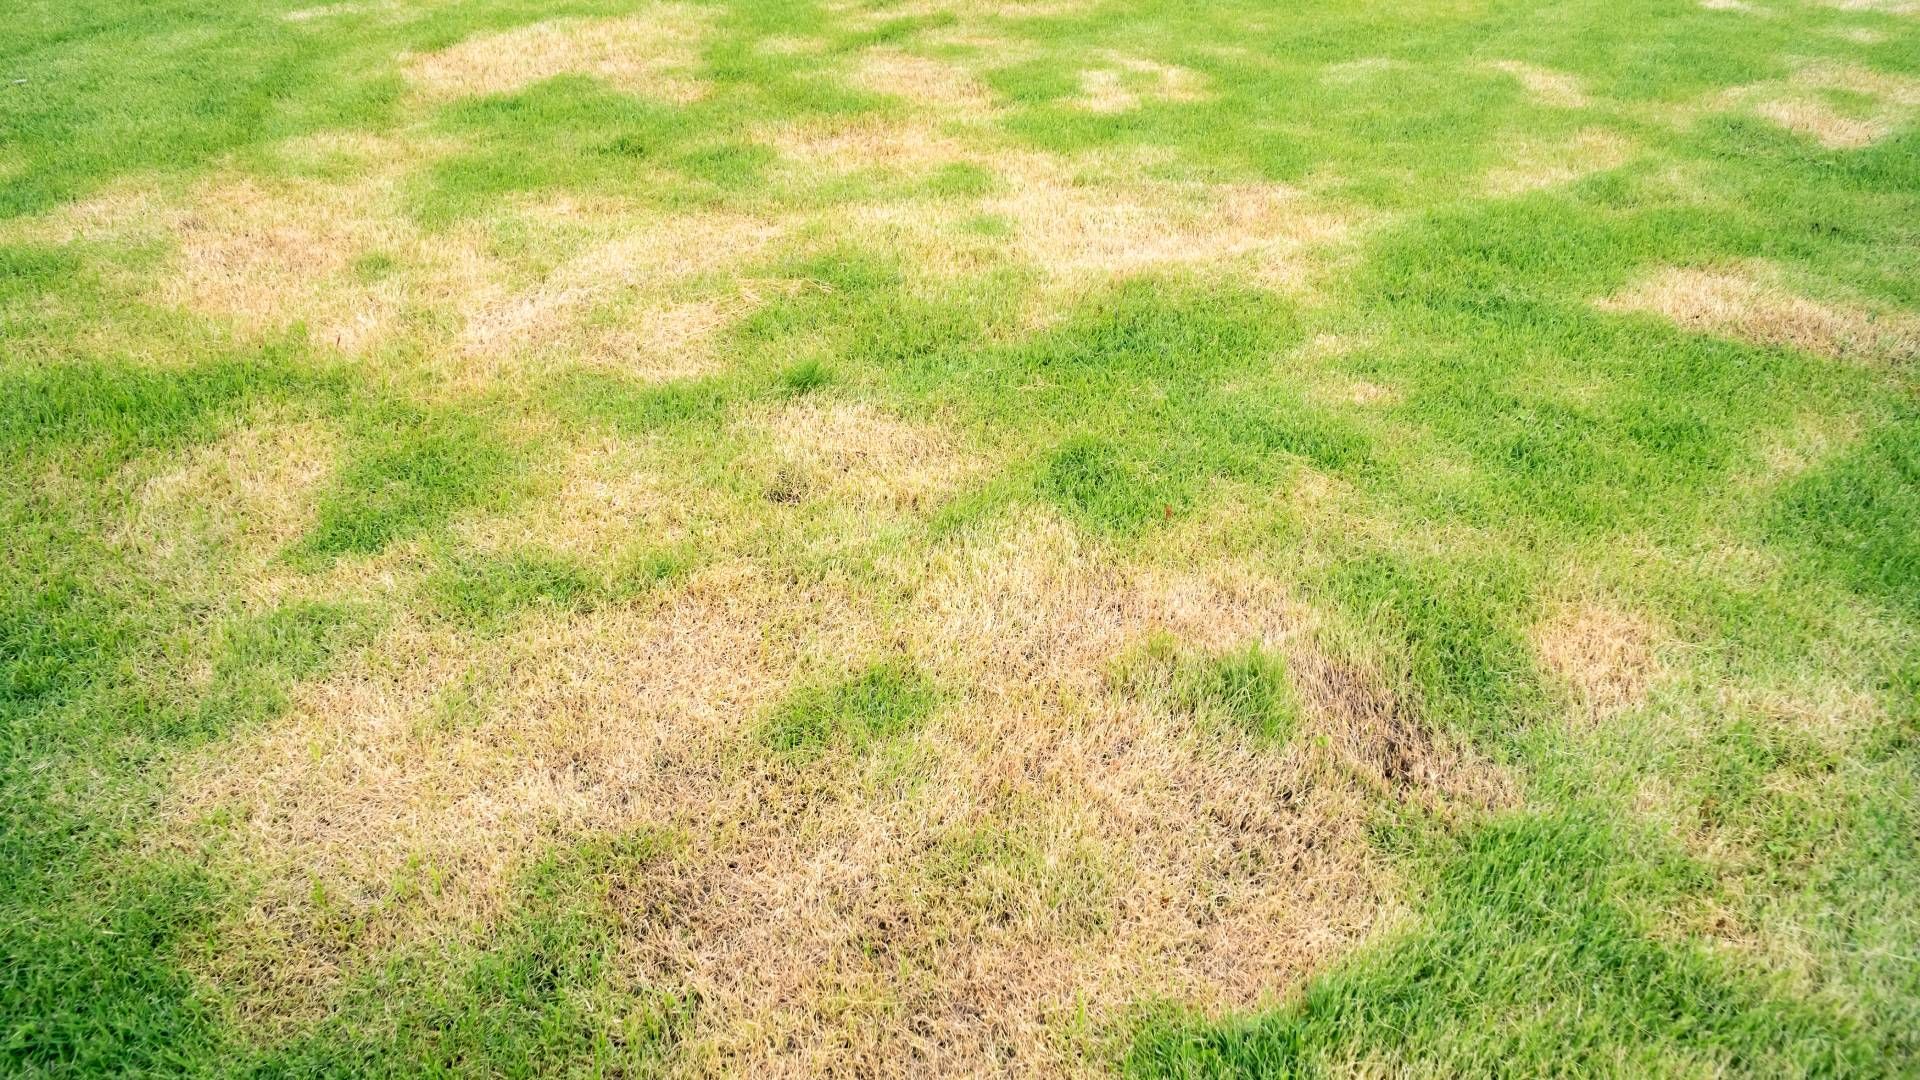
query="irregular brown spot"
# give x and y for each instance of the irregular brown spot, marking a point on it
(1804, 103)
(1604, 657)
(1544, 85)
(857, 452)
(935, 84)
(1047, 847)
(1124, 82)
(1542, 166)
(652, 53)
(1748, 301)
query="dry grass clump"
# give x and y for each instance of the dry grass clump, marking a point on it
(631, 264)
(607, 495)
(1543, 166)
(865, 142)
(1604, 657)
(223, 515)
(1123, 82)
(1544, 85)
(1801, 103)
(951, 90)
(1051, 848)
(857, 452)
(1070, 229)
(1749, 302)
(340, 258)
(433, 755)
(651, 53)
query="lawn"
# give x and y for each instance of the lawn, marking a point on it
(969, 537)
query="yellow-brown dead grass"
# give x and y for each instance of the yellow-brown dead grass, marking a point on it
(266, 254)
(1124, 82)
(940, 85)
(1750, 302)
(1052, 846)
(1545, 85)
(1536, 167)
(1068, 228)
(605, 498)
(1801, 103)
(1604, 657)
(860, 453)
(653, 53)
(865, 142)
(630, 264)
(220, 517)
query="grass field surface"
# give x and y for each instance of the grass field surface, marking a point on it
(964, 537)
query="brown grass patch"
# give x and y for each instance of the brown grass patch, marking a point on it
(857, 452)
(1801, 103)
(222, 516)
(1069, 228)
(629, 265)
(866, 142)
(1051, 846)
(1123, 83)
(1749, 302)
(1537, 167)
(1880, 7)
(950, 89)
(652, 53)
(267, 254)
(1605, 658)
(1544, 85)
(607, 497)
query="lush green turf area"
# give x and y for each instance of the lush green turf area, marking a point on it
(1556, 361)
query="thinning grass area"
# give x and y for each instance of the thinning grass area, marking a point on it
(881, 537)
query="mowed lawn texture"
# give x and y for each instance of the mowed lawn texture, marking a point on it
(1067, 537)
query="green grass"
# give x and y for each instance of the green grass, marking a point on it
(887, 700)
(1434, 440)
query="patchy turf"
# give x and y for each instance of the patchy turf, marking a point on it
(893, 537)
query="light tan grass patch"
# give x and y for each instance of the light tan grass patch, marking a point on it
(624, 261)
(1860, 35)
(1068, 228)
(1545, 85)
(1363, 392)
(869, 15)
(653, 53)
(861, 143)
(608, 497)
(267, 254)
(1051, 852)
(858, 452)
(1750, 302)
(436, 754)
(939, 85)
(1124, 82)
(1741, 7)
(1604, 657)
(223, 515)
(1802, 104)
(1537, 167)
(1823, 123)
(1881, 7)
